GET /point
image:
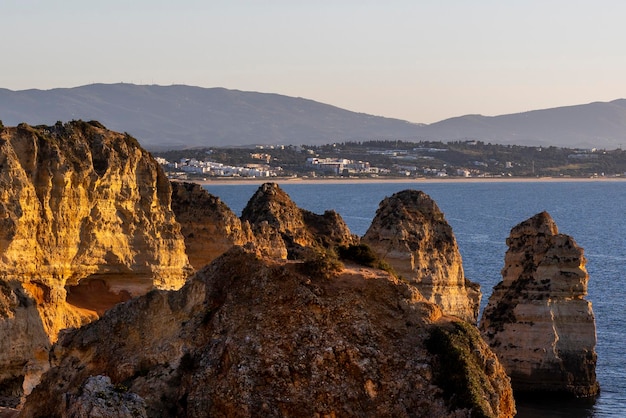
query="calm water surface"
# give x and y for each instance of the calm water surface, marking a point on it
(482, 215)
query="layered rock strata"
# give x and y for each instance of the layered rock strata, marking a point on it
(85, 222)
(411, 234)
(254, 336)
(286, 231)
(537, 320)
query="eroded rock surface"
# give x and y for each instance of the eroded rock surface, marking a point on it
(254, 336)
(284, 230)
(97, 397)
(209, 226)
(537, 320)
(411, 234)
(85, 222)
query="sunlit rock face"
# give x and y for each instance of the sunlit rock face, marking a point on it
(537, 320)
(85, 222)
(411, 234)
(250, 335)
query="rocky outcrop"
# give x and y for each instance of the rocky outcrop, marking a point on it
(411, 234)
(97, 397)
(209, 226)
(286, 231)
(271, 222)
(537, 320)
(254, 336)
(85, 222)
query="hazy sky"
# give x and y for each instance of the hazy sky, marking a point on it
(418, 60)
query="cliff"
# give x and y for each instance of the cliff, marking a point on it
(411, 234)
(85, 222)
(537, 320)
(255, 336)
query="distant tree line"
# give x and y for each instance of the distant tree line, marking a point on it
(477, 157)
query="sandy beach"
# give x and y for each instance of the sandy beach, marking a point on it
(337, 180)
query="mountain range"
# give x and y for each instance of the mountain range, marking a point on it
(179, 116)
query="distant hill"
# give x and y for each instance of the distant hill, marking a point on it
(182, 116)
(175, 117)
(594, 125)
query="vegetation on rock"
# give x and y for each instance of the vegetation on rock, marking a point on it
(363, 254)
(460, 367)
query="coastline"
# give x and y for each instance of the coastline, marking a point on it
(336, 180)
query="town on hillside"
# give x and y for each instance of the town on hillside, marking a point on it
(392, 159)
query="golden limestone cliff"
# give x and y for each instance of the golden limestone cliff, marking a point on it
(85, 222)
(411, 234)
(537, 320)
(251, 335)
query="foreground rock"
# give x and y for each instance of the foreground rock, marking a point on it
(97, 397)
(411, 234)
(85, 222)
(253, 336)
(537, 320)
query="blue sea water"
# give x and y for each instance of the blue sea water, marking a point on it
(482, 215)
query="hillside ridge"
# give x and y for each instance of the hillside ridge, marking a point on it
(181, 116)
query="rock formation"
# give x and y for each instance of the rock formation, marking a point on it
(209, 226)
(85, 222)
(537, 320)
(271, 221)
(287, 231)
(411, 234)
(89, 220)
(97, 397)
(255, 336)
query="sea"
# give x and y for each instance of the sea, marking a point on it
(481, 215)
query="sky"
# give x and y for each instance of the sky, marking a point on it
(417, 60)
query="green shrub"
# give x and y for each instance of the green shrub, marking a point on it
(458, 371)
(362, 254)
(321, 262)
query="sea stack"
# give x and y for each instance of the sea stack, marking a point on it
(537, 320)
(411, 234)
